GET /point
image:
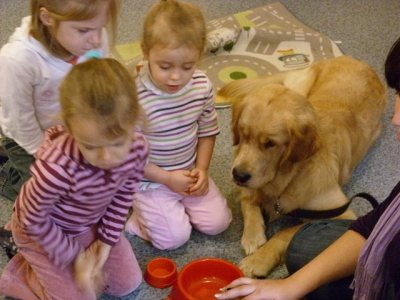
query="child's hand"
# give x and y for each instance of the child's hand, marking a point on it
(101, 251)
(84, 272)
(180, 181)
(201, 186)
(88, 267)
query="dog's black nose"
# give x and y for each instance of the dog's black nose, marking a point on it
(240, 177)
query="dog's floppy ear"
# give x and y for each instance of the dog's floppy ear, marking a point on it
(236, 112)
(235, 92)
(304, 142)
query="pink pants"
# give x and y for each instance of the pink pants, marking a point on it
(165, 218)
(31, 275)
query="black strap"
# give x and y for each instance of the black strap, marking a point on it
(331, 213)
(371, 199)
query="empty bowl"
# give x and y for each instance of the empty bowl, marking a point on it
(203, 278)
(161, 272)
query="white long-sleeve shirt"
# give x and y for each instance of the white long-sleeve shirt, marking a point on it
(29, 81)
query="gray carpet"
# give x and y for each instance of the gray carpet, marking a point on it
(363, 29)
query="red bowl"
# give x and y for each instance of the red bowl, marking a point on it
(203, 278)
(161, 272)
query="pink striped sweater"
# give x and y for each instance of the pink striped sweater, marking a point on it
(67, 196)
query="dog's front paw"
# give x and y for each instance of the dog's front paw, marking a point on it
(254, 266)
(252, 241)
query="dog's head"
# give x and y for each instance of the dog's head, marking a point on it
(273, 129)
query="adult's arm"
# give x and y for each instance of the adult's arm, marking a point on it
(337, 261)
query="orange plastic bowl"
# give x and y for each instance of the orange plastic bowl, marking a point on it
(161, 272)
(201, 279)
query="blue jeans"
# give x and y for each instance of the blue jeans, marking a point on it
(17, 168)
(307, 243)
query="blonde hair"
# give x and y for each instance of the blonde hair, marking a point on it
(104, 91)
(69, 10)
(182, 24)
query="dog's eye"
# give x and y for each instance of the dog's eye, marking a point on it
(269, 144)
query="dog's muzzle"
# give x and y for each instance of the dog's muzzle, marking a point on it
(240, 178)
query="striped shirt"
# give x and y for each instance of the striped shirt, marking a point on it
(67, 196)
(176, 121)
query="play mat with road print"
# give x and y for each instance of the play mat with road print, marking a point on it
(260, 41)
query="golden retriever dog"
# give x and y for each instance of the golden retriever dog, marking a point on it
(298, 137)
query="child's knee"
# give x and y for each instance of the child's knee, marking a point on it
(215, 229)
(125, 287)
(216, 225)
(173, 240)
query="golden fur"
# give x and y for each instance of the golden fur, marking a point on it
(298, 137)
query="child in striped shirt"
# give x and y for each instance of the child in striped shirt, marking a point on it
(178, 99)
(68, 218)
